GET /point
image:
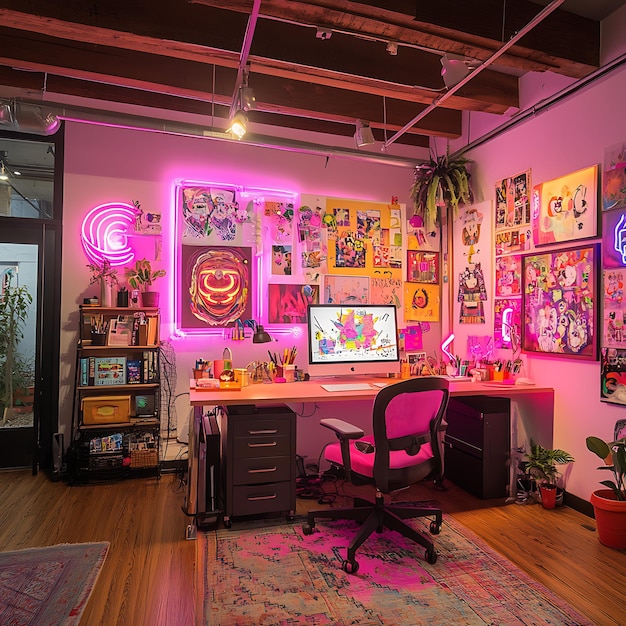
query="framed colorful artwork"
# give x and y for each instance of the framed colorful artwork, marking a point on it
(513, 201)
(422, 302)
(614, 309)
(560, 308)
(346, 289)
(508, 276)
(566, 208)
(613, 375)
(287, 304)
(422, 267)
(614, 177)
(614, 238)
(507, 325)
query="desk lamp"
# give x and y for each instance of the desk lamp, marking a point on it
(260, 334)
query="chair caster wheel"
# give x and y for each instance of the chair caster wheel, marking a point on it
(435, 528)
(307, 529)
(227, 522)
(431, 556)
(350, 567)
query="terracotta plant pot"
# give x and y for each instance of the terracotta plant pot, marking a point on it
(610, 517)
(150, 299)
(548, 496)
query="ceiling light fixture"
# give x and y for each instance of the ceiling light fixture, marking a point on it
(239, 124)
(323, 33)
(392, 48)
(455, 68)
(363, 135)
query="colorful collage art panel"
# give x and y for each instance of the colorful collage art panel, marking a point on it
(513, 237)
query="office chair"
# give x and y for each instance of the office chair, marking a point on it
(407, 447)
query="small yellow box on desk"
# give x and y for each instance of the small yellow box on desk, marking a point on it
(106, 410)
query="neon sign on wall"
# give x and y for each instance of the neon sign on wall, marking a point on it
(104, 233)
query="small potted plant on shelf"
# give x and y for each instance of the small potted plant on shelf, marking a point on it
(105, 275)
(609, 504)
(141, 277)
(542, 464)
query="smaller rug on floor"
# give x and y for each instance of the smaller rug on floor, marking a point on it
(48, 586)
(276, 575)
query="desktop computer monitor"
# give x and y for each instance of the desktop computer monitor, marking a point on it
(352, 339)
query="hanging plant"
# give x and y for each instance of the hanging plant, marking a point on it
(440, 183)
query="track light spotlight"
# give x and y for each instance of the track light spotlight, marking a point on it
(454, 68)
(392, 48)
(3, 173)
(239, 124)
(363, 135)
(247, 98)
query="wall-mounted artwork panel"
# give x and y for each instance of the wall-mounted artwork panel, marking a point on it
(614, 177)
(566, 208)
(560, 306)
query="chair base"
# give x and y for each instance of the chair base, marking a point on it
(375, 517)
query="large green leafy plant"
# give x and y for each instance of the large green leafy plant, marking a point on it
(542, 463)
(440, 183)
(14, 310)
(614, 456)
(142, 275)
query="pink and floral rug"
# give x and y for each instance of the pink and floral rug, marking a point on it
(48, 586)
(276, 575)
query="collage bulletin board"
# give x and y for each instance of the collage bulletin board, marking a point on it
(244, 253)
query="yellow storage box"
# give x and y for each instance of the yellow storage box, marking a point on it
(106, 410)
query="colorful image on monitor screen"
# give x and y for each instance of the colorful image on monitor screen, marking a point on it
(360, 339)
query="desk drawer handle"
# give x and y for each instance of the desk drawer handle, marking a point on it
(272, 497)
(264, 470)
(262, 445)
(272, 431)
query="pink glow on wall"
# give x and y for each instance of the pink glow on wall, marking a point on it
(104, 233)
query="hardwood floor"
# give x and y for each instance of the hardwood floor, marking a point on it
(149, 577)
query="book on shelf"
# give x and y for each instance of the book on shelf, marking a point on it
(110, 370)
(133, 371)
(120, 331)
(152, 331)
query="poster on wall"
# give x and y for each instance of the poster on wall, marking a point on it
(614, 309)
(422, 267)
(560, 302)
(507, 323)
(421, 302)
(287, 303)
(508, 276)
(513, 201)
(613, 375)
(346, 289)
(565, 209)
(614, 177)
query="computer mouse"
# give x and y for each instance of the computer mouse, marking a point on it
(524, 381)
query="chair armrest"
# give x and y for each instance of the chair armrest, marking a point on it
(342, 429)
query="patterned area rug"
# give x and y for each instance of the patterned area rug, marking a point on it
(276, 575)
(48, 586)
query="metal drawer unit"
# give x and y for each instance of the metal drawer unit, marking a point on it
(258, 460)
(477, 445)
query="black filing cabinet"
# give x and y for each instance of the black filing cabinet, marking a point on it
(477, 445)
(258, 460)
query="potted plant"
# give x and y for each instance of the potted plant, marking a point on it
(14, 309)
(141, 277)
(105, 275)
(542, 464)
(609, 505)
(438, 183)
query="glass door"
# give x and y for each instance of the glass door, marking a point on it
(19, 272)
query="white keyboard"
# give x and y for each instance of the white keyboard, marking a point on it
(347, 387)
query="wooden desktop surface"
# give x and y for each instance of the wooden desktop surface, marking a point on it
(312, 391)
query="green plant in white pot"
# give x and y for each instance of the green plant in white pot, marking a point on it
(542, 465)
(142, 277)
(609, 504)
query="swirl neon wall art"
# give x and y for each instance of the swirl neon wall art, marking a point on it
(104, 233)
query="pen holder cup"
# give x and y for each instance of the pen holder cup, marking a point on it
(98, 339)
(289, 373)
(500, 375)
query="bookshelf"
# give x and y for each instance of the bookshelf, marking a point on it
(116, 410)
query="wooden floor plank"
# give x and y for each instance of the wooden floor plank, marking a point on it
(152, 573)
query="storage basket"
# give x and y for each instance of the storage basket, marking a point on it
(144, 458)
